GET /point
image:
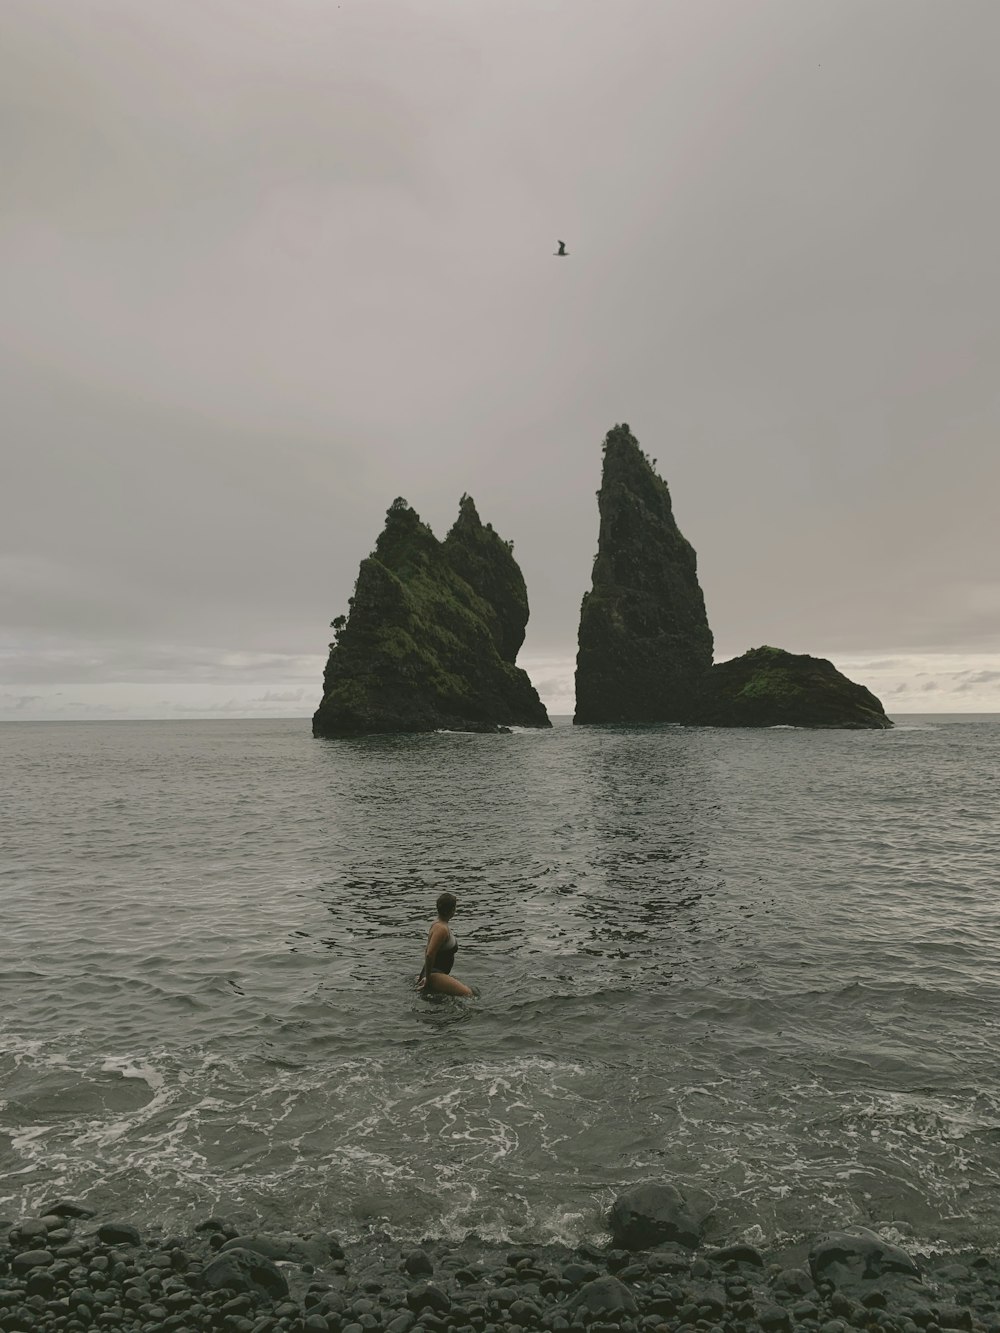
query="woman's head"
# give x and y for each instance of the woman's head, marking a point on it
(446, 904)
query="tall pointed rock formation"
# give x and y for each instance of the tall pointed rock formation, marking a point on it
(432, 636)
(645, 643)
(645, 652)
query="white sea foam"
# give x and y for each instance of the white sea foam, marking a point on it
(133, 1067)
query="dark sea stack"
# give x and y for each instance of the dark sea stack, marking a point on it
(433, 631)
(768, 687)
(644, 638)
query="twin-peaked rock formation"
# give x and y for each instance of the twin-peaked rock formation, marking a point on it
(432, 636)
(435, 627)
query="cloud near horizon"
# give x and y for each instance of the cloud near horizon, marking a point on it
(290, 687)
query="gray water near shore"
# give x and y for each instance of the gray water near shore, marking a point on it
(766, 964)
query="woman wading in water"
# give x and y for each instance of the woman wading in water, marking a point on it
(435, 975)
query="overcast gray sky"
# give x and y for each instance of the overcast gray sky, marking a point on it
(267, 264)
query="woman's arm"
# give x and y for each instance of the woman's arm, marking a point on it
(438, 932)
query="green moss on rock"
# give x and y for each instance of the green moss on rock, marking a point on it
(432, 635)
(768, 687)
(486, 563)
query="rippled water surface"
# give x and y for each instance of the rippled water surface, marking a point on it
(763, 963)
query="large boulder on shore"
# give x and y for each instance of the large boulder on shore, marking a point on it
(857, 1255)
(653, 1214)
(644, 640)
(432, 636)
(602, 1296)
(241, 1271)
(768, 687)
(286, 1248)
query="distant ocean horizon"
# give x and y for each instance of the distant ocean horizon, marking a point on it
(760, 964)
(307, 716)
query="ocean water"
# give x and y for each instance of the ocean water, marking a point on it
(761, 964)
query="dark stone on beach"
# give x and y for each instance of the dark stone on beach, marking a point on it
(517, 1257)
(774, 1319)
(669, 1259)
(739, 1254)
(402, 1323)
(28, 1259)
(26, 1232)
(524, 1313)
(577, 1274)
(329, 1304)
(649, 1214)
(245, 1270)
(66, 1208)
(602, 1295)
(280, 1249)
(634, 1272)
(40, 1282)
(590, 1252)
(238, 1305)
(712, 1302)
(857, 1255)
(793, 1281)
(418, 1263)
(428, 1297)
(954, 1316)
(118, 1233)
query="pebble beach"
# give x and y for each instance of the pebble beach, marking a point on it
(69, 1271)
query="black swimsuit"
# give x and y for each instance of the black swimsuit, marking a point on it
(444, 959)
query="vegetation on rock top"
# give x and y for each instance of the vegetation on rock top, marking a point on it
(433, 631)
(768, 687)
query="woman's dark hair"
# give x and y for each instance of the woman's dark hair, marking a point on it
(446, 904)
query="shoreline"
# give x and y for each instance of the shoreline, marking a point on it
(69, 1271)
